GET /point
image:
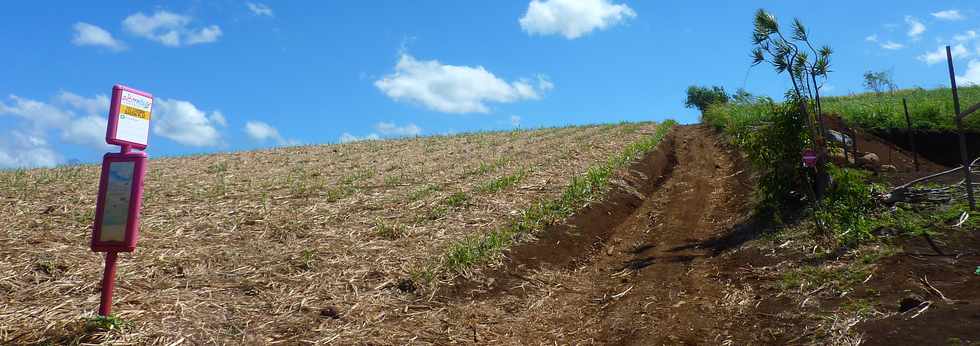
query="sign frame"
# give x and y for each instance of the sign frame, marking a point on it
(111, 135)
(809, 158)
(131, 232)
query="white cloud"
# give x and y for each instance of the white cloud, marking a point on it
(22, 150)
(218, 118)
(515, 120)
(87, 130)
(259, 9)
(204, 35)
(872, 38)
(916, 28)
(969, 35)
(950, 15)
(390, 129)
(347, 137)
(454, 89)
(90, 106)
(170, 29)
(939, 55)
(90, 35)
(892, 45)
(40, 114)
(183, 123)
(572, 18)
(972, 75)
(261, 131)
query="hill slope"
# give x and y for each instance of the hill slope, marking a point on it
(270, 245)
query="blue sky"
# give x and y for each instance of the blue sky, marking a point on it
(239, 75)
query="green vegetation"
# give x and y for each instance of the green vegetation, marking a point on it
(105, 323)
(423, 192)
(582, 189)
(701, 97)
(839, 279)
(847, 209)
(504, 181)
(389, 231)
(928, 109)
(879, 82)
(457, 199)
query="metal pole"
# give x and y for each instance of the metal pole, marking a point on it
(959, 127)
(908, 131)
(108, 283)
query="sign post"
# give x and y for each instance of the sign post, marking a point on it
(967, 175)
(117, 210)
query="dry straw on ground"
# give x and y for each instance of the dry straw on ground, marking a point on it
(296, 245)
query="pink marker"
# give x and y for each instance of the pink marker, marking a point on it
(117, 211)
(129, 118)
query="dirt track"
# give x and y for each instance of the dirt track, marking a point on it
(636, 269)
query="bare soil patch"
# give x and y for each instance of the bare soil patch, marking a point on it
(645, 276)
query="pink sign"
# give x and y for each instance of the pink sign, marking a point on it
(809, 158)
(117, 213)
(129, 117)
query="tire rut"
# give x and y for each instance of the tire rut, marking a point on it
(645, 278)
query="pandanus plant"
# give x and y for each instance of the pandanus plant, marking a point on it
(806, 65)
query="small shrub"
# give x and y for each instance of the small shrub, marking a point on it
(105, 323)
(457, 199)
(389, 231)
(847, 208)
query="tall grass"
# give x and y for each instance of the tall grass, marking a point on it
(928, 109)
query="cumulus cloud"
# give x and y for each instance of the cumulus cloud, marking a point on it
(871, 38)
(24, 150)
(88, 131)
(384, 129)
(27, 146)
(90, 35)
(348, 138)
(261, 131)
(892, 45)
(37, 113)
(455, 89)
(218, 118)
(259, 9)
(169, 29)
(939, 55)
(572, 18)
(89, 105)
(916, 28)
(950, 15)
(972, 75)
(204, 35)
(390, 129)
(969, 35)
(184, 123)
(81, 120)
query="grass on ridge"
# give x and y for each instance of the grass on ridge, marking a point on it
(584, 188)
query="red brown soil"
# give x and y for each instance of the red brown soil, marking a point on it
(909, 275)
(661, 261)
(888, 153)
(640, 268)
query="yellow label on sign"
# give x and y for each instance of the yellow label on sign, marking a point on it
(134, 112)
